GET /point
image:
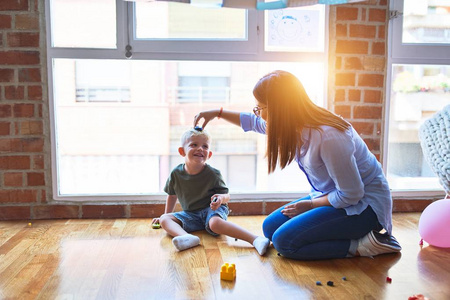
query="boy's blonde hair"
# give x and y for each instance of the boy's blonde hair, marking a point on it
(193, 132)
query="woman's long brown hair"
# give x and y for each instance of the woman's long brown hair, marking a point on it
(289, 110)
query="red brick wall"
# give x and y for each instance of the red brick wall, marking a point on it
(358, 67)
(356, 91)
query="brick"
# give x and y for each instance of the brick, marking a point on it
(343, 111)
(362, 31)
(378, 15)
(14, 5)
(371, 80)
(352, 47)
(6, 75)
(373, 96)
(39, 109)
(14, 162)
(341, 30)
(38, 162)
(5, 21)
(19, 57)
(5, 128)
(32, 144)
(14, 92)
(381, 32)
(367, 112)
(354, 95)
(379, 48)
(56, 211)
(103, 211)
(5, 111)
(27, 21)
(246, 208)
(339, 95)
(23, 39)
(14, 213)
(13, 179)
(18, 196)
(374, 63)
(353, 63)
(35, 92)
(23, 110)
(35, 179)
(30, 127)
(30, 75)
(146, 210)
(338, 64)
(365, 128)
(345, 79)
(346, 14)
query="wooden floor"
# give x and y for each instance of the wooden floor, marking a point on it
(126, 259)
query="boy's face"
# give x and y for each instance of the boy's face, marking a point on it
(196, 149)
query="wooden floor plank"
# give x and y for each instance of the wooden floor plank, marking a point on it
(126, 259)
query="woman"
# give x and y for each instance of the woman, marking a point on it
(350, 203)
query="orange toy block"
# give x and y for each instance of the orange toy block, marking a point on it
(228, 272)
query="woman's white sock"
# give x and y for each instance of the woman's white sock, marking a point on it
(261, 244)
(185, 241)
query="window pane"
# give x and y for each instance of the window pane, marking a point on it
(166, 20)
(418, 91)
(106, 145)
(426, 22)
(83, 23)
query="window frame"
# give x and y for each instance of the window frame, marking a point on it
(140, 52)
(399, 53)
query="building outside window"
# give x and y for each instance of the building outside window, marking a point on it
(419, 87)
(118, 121)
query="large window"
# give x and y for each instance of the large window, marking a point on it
(117, 122)
(419, 87)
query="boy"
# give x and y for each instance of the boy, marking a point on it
(203, 196)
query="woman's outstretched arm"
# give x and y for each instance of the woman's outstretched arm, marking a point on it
(231, 116)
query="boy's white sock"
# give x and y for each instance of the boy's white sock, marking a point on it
(261, 244)
(185, 241)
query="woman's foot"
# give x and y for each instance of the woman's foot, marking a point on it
(375, 243)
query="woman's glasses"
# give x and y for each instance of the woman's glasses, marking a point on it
(257, 110)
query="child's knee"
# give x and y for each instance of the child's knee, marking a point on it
(215, 223)
(167, 218)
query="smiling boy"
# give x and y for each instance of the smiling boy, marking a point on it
(203, 196)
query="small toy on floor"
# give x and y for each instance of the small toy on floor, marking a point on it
(156, 226)
(228, 272)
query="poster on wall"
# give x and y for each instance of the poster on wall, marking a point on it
(295, 29)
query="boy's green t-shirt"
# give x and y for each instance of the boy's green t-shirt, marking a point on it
(194, 191)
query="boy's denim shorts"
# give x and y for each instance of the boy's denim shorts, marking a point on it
(199, 219)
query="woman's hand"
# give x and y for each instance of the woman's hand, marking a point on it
(207, 115)
(297, 208)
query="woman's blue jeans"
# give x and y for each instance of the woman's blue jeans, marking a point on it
(320, 233)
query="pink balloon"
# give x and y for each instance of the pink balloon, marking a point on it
(434, 223)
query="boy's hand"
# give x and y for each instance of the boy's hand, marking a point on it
(216, 201)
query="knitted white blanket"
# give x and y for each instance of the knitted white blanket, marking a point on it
(434, 135)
